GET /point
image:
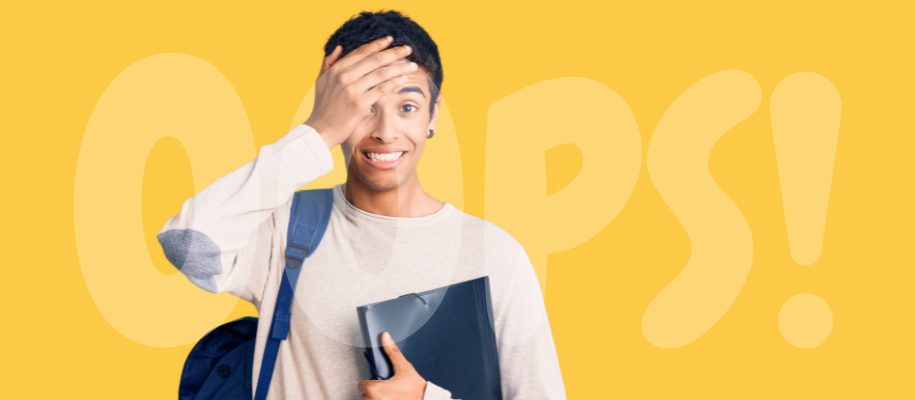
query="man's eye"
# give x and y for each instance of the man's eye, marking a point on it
(408, 108)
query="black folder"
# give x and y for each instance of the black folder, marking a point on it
(446, 333)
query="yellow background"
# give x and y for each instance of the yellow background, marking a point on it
(59, 58)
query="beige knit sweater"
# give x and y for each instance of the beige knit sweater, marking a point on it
(231, 237)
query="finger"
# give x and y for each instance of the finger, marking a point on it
(348, 65)
(364, 64)
(374, 94)
(398, 360)
(364, 386)
(369, 389)
(372, 47)
(405, 50)
(384, 74)
(331, 59)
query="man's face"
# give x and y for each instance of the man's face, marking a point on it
(386, 146)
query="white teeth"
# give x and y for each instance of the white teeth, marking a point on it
(385, 157)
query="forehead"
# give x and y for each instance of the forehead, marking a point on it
(417, 79)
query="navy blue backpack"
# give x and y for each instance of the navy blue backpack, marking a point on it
(220, 365)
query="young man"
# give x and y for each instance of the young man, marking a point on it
(386, 236)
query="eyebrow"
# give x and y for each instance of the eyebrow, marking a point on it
(412, 89)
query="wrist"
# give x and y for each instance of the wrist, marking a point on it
(328, 139)
(325, 132)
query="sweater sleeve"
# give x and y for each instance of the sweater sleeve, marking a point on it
(434, 392)
(213, 240)
(528, 362)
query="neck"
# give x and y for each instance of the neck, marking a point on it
(409, 200)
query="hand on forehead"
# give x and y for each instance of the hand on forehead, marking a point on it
(375, 46)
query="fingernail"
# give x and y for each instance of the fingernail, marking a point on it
(403, 78)
(408, 48)
(412, 65)
(386, 339)
(388, 38)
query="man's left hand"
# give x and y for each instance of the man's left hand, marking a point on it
(406, 384)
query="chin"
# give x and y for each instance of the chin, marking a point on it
(379, 182)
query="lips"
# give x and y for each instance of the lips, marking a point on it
(384, 160)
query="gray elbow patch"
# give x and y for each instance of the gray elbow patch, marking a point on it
(193, 253)
(206, 283)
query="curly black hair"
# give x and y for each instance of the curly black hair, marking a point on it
(369, 26)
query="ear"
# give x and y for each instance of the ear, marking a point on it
(438, 107)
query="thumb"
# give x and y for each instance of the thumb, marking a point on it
(330, 59)
(399, 362)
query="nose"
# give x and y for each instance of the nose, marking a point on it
(385, 129)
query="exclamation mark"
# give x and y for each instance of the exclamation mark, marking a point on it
(805, 110)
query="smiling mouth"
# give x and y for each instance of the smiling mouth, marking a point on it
(384, 157)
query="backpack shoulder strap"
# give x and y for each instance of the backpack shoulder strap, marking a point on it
(308, 221)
